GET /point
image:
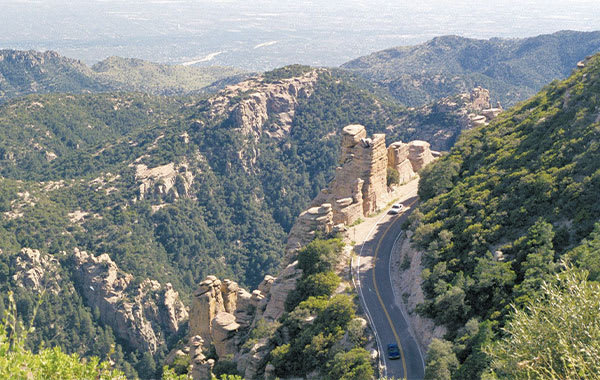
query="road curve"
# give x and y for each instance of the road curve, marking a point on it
(377, 296)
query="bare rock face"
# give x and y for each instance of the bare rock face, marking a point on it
(314, 219)
(139, 314)
(419, 154)
(36, 271)
(360, 186)
(281, 287)
(224, 329)
(201, 368)
(207, 303)
(251, 363)
(170, 180)
(480, 99)
(398, 160)
(268, 101)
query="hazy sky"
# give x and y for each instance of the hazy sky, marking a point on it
(261, 34)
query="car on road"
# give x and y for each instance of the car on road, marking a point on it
(393, 351)
(397, 208)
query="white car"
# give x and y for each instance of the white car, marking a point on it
(396, 208)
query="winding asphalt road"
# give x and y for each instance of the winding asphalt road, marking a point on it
(377, 295)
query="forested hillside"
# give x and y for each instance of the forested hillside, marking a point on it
(512, 69)
(498, 215)
(171, 189)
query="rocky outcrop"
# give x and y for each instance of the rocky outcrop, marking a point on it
(207, 302)
(311, 221)
(36, 271)
(419, 154)
(359, 187)
(480, 110)
(223, 330)
(141, 314)
(441, 123)
(254, 102)
(281, 287)
(166, 181)
(222, 309)
(398, 160)
(201, 368)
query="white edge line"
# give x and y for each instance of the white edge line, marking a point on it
(362, 297)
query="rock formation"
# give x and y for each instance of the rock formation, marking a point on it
(481, 111)
(222, 309)
(168, 180)
(359, 187)
(201, 368)
(36, 271)
(139, 314)
(273, 101)
(419, 154)
(398, 160)
(222, 313)
(311, 221)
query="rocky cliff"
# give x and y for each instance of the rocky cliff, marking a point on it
(441, 122)
(254, 102)
(140, 314)
(359, 187)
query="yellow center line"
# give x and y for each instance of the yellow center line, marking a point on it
(387, 314)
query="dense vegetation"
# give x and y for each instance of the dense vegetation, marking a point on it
(64, 155)
(320, 327)
(512, 69)
(68, 155)
(555, 337)
(498, 213)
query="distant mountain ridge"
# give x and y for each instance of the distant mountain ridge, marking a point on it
(512, 69)
(28, 72)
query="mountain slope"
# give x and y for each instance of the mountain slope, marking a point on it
(512, 69)
(31, 72)
(154, 78)
(167, 189)
(508, 202)
(26, 72)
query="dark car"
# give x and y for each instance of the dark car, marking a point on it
(393, 351)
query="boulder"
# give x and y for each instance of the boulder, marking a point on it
(224, 328)
(419, 154)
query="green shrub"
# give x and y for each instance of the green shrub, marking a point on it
(352, 365)
(319, 256)
(393, 178)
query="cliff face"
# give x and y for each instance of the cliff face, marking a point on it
(360, 184)
(359, 187)
(251, 103)
(137, 314)
(36, 271)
